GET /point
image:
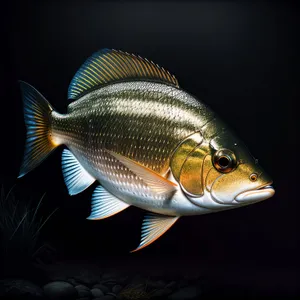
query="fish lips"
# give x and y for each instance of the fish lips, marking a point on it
(256, 195)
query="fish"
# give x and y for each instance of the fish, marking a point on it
(147, 143)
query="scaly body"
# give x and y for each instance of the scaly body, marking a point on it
(144, 121)
(146, 141)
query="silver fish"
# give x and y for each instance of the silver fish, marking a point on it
(146, 141)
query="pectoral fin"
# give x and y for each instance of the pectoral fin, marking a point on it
(105, 205)
(156, 182)
(153, 227)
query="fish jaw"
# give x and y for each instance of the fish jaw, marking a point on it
(255, 195)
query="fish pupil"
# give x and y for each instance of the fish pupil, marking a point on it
(223, 161)
(253, 177)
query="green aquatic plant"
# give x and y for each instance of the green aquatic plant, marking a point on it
(20, 228)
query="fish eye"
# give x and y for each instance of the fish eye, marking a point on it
(224, 160)
(253, 177)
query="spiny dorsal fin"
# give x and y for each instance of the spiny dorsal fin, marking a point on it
(110, 65)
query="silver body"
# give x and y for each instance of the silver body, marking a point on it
(93, 125)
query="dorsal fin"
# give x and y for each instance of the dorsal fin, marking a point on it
(109, 65)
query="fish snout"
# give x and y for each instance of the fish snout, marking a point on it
(261, 193)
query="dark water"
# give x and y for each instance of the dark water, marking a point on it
(241, 58)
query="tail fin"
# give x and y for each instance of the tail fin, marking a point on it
(37, 116)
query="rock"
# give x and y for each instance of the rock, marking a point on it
(116, 277)
(161, 293)
(97, 292)
(187, 293)
(60, 290)
(111, 294)
(109, 283)
(117, 289)
(87, 277)
(102, 287)
(155, 284)
(87, 274)
(81, 287)
(171, 285)
(83, 291)
(108, 297)
(72, 281)
(19, 289)
(84, 294)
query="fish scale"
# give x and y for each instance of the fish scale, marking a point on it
(148, 136)
(152, 130)
(146, 141)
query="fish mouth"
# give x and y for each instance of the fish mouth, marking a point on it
(261, 193)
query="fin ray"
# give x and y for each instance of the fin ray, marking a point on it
(153, 227)
(110, 65)
(37, 116)
(77, 179)
(105, 205)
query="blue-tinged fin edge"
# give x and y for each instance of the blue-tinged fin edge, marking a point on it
(105, 205)
(77, 179)
(37, 117)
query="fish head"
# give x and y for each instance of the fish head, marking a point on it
(235, 177)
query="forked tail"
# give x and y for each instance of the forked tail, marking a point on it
(37, 116)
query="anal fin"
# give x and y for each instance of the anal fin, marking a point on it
(154, 226)
(76, 177)
(105, 205)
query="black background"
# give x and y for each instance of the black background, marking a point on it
(241, 58)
